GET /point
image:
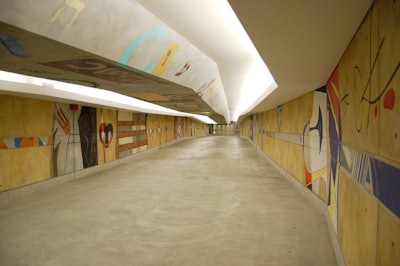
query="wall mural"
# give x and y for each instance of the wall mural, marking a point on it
(105, 128)
(88, 136)
(178, 127)
(12, 44)
(314, 146)
(334, 140)
(75, 138)
(369, 81)
(78, 7)
(21, 142)
(160, 33)
(362, 95)
(131, 133)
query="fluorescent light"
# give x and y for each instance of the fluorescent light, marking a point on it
(62, 90)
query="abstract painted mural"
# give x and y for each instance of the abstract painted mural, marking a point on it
(106, 121)
(315, 146)
(178, 132)
(131, 133)
(75, 138)
(334, 140)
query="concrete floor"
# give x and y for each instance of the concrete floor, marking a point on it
(204, 201)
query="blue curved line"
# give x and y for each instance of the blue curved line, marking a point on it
(156, 32)
(149, 66)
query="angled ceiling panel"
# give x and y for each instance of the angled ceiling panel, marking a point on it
(30, 54)
(127, 35)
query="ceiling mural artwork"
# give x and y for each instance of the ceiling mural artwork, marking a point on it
(115, 50)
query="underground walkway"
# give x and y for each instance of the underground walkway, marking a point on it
(206, 201)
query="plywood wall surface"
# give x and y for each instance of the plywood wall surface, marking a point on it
(24, 166)
(357, 85)
(388, 107)
(357, 222)
(369, 83)
(388, 234)
(170, 125)
(23, 117)
(25, 139)
(296, 138)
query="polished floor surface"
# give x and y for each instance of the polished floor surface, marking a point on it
(205, 201)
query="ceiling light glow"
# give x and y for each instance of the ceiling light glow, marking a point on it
(62, 90)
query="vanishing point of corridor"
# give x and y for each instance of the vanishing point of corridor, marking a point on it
(205, 201)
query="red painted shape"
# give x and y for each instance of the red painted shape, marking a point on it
(308, 174)
(103, 141)
(2, 145)
(388, 102)
(376, 110)
(74, 107)
(183, 70)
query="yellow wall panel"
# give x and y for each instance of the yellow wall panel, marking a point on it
(388, 246)
(357, 222)
(24, 117)
(296, 165)
(161, 129)
(162, 125)
(357, 86)
(271, 123)
(171, 128)
(284, 118)
(152, 131)
(389, 80)
(301, 112)
(24, 166)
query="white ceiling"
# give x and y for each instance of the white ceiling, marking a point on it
(300, 41)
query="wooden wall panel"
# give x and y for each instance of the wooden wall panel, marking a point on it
(389, 80)
(171, 128)
(357, 85)
(24, 117)
(271, 120)
(388, 234)
(24, 166)
(152, 128)
(25, 141)
(357, 222)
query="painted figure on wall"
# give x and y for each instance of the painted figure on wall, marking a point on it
(67, 155)
(75, 138)
(88, 134)
(178, 127)
(106, 147)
